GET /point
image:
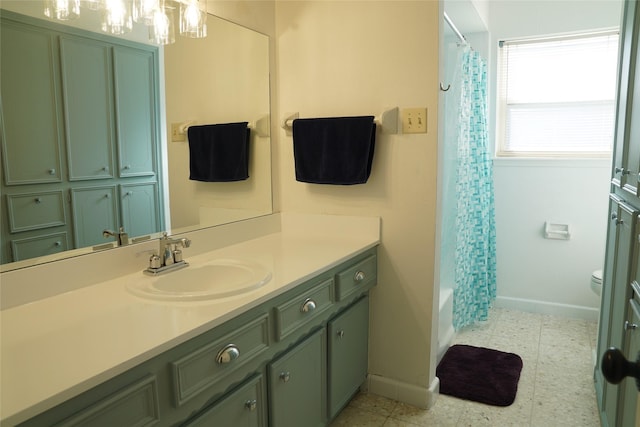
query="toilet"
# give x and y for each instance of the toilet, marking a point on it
(596, 282)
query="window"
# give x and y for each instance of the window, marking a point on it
(556, 96)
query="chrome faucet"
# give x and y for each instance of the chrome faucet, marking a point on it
(168, 258)
(121, 236)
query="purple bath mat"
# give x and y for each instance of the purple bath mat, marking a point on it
(479, 374)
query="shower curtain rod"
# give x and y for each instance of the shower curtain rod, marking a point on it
(454, 28)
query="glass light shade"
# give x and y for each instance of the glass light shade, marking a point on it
(143, 10)
(116, 17)
(162, 30)
(193, 20)
(62, 10)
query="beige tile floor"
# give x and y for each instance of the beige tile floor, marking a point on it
(555, 388)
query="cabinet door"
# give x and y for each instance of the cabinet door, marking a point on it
(88, 106)
(348, 354)
(615, 294)
(627, 146)
(297, 385)
(135, 110)
(32, 130)
(94, 210)
(630, 393)
(139, 208)
(244, 407)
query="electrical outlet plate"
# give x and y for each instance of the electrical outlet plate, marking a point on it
(414, 120)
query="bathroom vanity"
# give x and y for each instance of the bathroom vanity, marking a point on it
(289, 352)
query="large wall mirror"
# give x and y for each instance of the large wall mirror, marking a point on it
(223, 78)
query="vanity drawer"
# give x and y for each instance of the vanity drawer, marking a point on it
(32, 211)
(201, 368)
(303, 308)
(32, 247)
(357, 278)
(135, 405)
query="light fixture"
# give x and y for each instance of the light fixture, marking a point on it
(143, 10)
(193, 20)
(116, 17)
(62, 10)
(162, 29)
(92, 4)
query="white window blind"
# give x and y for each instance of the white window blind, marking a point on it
(556, 96)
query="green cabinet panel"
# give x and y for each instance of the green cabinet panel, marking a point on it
(134, 406)
(297, 385)
(32, 129)
(135, 110)
(348, 341)
(244, 407)
(94, 210)
(31, 247)
(88, 106)
(31, 211)
(140, 208)
(615, 294)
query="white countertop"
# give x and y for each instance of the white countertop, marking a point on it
(55, 348)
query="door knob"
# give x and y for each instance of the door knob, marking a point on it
(615, 367)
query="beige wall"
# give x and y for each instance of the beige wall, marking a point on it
(339, 58)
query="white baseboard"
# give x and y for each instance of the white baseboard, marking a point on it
(544, 307)
(407, 393)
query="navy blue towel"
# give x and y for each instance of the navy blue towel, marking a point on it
(334, 150)
(219, 153)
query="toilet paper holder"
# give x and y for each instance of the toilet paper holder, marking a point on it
(556, 231)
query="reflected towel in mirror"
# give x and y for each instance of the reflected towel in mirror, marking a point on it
(219, 152)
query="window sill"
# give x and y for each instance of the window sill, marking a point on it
(556, 162)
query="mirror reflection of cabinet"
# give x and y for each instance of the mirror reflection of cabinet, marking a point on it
(95, 97)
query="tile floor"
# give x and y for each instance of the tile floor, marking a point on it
(555, 388)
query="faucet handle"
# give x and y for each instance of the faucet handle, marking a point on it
(185, 242)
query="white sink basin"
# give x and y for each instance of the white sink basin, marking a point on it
(214, 279)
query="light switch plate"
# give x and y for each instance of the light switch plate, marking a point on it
(177, 132)
(414, 120)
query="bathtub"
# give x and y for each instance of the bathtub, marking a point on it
(445, 321)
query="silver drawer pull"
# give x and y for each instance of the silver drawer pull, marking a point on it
(629, 326)
(285, 376)
(229, 353)
(251, 404)
(359, 276)
(308, 305)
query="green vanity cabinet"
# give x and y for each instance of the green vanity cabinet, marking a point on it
(297, 385)
(244, 407)
(32, 126)
(245, 372)
(348, 340)
(78, 109)
(88, 107)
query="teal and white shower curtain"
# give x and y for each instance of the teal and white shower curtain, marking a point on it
(474, 228)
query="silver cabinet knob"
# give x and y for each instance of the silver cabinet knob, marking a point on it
(308, 305)
(126, 167)
(228, 354)
(359, 276)
(629, 326)
(251, 404)
(57, 244)
(285, 376)
(340, 333)
(52, 171)
(622, 171)
(614, 217)
(38, 200)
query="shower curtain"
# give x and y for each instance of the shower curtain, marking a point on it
(474, 227)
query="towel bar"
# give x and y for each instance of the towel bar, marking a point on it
(387, 121)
